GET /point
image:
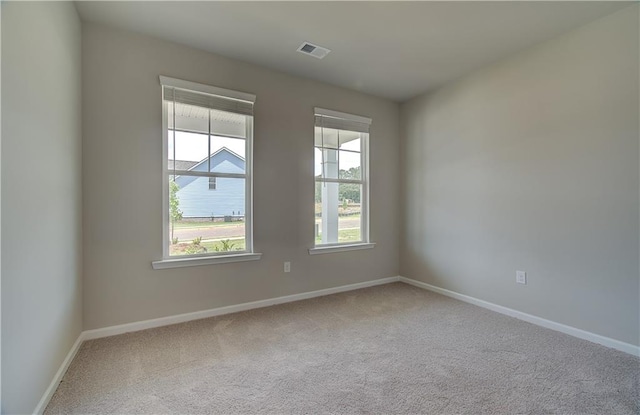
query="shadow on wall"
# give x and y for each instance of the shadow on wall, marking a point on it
(415, 261)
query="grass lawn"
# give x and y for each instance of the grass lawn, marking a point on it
(238, 245)
(345, 235)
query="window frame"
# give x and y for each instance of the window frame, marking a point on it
(248, 253)
(358, 122)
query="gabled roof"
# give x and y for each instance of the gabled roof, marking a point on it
(181, 164)
(216, 153)
(190, 165)
(236, 161)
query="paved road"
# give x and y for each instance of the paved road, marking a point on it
(214, 232)
(237, 230)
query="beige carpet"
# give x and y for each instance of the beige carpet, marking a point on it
(387, 349)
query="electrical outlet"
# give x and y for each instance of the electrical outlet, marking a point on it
(287, 267)
(521, 277)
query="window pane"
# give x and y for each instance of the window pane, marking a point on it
(189, 118)
(206, 142)
(228, 123)
(350, 140)
(326, 137)
(317, 169)
(326, 162)
(349, 165)
(337, 154)
(205, 221)
(190, 150)
(338, 212)
(227, 155)
(170, 147)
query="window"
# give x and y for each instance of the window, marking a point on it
(208, 133)
(341, 179)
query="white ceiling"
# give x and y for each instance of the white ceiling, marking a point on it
(395, 50)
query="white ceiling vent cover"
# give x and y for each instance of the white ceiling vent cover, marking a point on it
(313, 50)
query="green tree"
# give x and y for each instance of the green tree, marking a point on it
(350, 191)
(174, 205)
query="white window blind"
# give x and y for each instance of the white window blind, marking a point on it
(341, 121)
(207, 101)
(206, 96)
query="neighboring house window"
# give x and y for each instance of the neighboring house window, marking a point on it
(341, 178)
(208, 134)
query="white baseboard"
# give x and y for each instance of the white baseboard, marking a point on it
(572, 331)
(42, 405)
(181, 318)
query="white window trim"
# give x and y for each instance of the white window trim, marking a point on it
(365, 242)
(194, 261)
(168, 261)
(344, 247)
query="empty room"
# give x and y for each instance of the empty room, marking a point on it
(320, 207)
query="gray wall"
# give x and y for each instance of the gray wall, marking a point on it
(532, 164)
(41, 212)
(122, 174)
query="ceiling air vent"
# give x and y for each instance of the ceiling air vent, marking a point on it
(313, 50)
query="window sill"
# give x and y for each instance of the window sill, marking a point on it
(340, 248)
(197, 261)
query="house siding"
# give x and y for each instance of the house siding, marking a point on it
(197, 201)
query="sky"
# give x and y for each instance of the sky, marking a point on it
(346, 160)
(193, 147)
